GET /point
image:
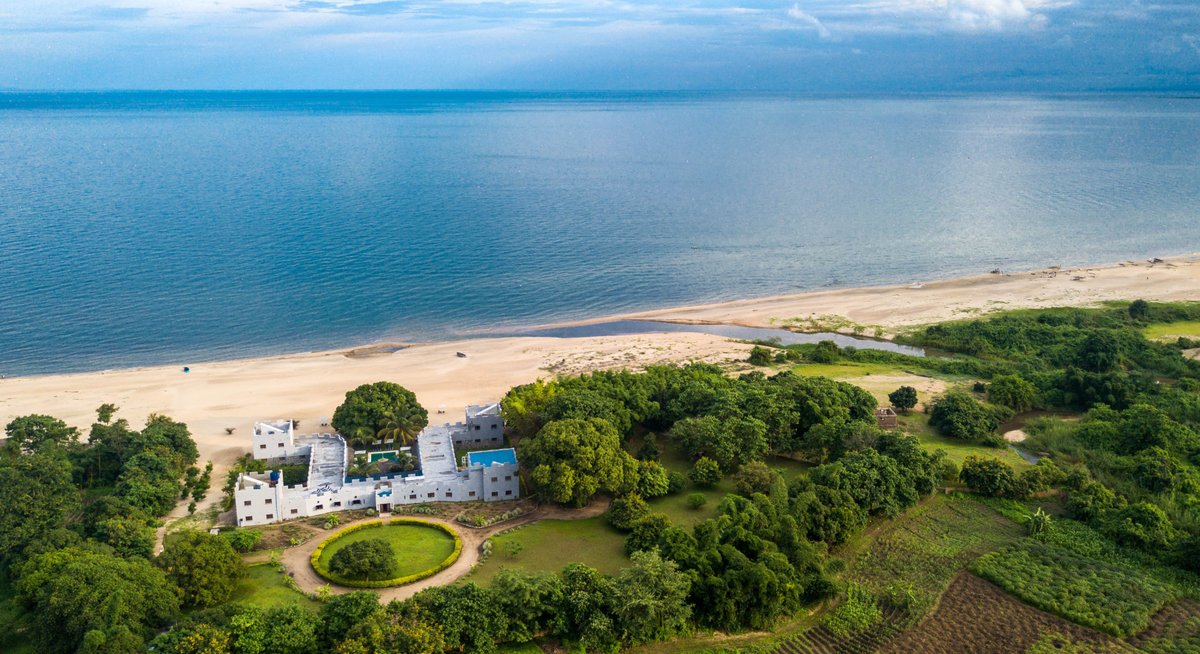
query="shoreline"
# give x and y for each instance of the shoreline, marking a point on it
(774, 312)
(231, 394)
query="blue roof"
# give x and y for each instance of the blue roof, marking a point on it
(492, 457)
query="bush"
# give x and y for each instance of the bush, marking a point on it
(627, 510)
(705, 473)
(1014, 392)
(243, 540)
(825, 352)
(365, 559)
(760, 356)
(676, 482)
(991, 477)
(696, 500)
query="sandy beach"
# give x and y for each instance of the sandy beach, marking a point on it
(233, 394)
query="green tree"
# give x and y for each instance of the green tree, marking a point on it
(581, 403)
(1038, 524)
(128, 536)
(730, 441)
(402, 424)
(371, 408)
(991, 477)
(705, 473)
(903, 399)
(36, 496)
(74, 591)
(1014, 392)
(572, 460)
(650, 599)
(105, 412)
(530, 600)
(149, 482)
(754, 477)
(825, 352)
(36, 433)
(391, 632)
(523, 406)
(342, 612)
(372, 558)
(1142, 525)
(1100, 351)
(203, 566)
(696, 501)
(627, 510)
(652, 480)
(288, 629)
(957, 414)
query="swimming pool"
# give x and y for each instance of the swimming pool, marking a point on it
(492, 457)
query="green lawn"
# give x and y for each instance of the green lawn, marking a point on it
(548, 545)
(1169, 331)
(956, 450)
(845, 369)
(264, 587)
(417, 548)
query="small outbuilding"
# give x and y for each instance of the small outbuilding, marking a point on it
(886, 417)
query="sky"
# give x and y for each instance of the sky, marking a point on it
(790, 45)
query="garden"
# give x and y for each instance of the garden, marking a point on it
(377, 555)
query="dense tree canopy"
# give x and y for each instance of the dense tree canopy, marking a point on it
(380, 411)
(571, 460)
(204, 567)
(372, 558)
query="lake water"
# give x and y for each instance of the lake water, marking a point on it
(143, 228)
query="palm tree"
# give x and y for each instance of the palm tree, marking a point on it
(361, 436)
(401, 425)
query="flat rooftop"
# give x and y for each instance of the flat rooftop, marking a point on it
(492, 457)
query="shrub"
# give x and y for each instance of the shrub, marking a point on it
(676, 482)
(957, 414)
(705, 473)
(759, 356)
(825, 352)
(627, 510)
(243, 540)
(991, 477)
(1014, 392)
(315, 559)
(696, 500)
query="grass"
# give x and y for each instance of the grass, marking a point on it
(844, 369)
(548, 545)
(1170, 331)
(956, 449)
(265, 587)
(417, 548)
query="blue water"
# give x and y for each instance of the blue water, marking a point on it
(491, 457)
(143, 228)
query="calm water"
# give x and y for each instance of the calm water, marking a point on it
(153, 228)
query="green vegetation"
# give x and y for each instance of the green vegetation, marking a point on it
(1173, 331)
(266, 587)
(382, 411)
(204, 567)
(419, 549)
(593, 542)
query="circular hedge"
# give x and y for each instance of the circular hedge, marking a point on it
(328, 574)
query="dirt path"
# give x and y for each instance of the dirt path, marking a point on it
(297, 559)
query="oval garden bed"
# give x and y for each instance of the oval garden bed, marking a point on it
(421, 548)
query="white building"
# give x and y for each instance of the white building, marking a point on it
(488, 474)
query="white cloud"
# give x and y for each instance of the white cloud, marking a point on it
(801, 16)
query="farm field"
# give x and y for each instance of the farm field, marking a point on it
(976, 616)
(264, 587)
(417, 547)
(548, 545)
(1170, 331)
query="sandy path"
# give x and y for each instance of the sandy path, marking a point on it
(297, 559)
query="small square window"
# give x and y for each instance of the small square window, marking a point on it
(263, 446)
(355, 502)
(494, 494)
(507, 477)
(270, 516)
(430, 495)
(249, 518)
(281, 445)
(478, 440)
(246, 503)
(337, 503)
(495, 479)
(318, 507)
(476, 427)
(267, 501)
(494, 425)
(413, 496)
(449, 494)
(295, 511)
(508, 492)
(471, 494)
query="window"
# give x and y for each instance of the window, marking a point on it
(494, 493)
(478, 440)
(270, 516)
(471, 494)
(494, 425)
(476, 427)
(246, 503)
(449, 493)
(355, 502)
(507, 477)
(413, 496)
(495, 479)
(337, 503)
(318, 507)
(263, 446)
(281, 445)
(295, 511)
(508, 492)
(267, 501)
(430, 495)
(249, 518)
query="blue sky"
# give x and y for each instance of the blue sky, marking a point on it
(813, 45)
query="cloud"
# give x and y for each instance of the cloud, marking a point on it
(801, 16)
